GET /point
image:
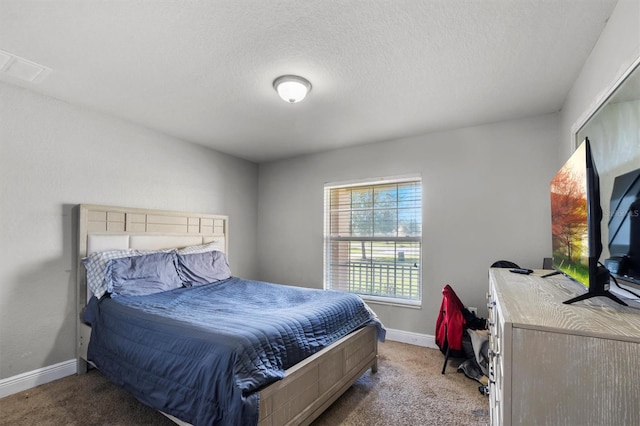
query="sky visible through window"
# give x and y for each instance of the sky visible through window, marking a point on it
(386, 210)
(373, 244)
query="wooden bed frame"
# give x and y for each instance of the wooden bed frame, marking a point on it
(308, 387)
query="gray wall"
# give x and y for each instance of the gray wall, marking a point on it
(615, 52)
(614, 132)
(53, 156)
(486, 198)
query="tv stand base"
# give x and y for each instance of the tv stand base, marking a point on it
(589, 295)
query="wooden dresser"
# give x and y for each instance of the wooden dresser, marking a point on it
(557, 364)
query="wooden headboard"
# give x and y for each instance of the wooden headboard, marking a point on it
(103, 228)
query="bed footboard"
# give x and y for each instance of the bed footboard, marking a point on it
(311, 386)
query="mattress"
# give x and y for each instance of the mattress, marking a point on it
(203, 353)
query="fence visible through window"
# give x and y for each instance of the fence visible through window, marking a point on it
(373, 239)
(383, 279)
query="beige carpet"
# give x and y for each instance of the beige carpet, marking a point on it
(407, 390)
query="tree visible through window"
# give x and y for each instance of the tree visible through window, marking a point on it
(373, 238)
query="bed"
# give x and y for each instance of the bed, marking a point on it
(291, 391)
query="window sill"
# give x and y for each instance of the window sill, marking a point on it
(402, 303)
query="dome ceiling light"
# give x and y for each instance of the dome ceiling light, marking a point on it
(292, 88)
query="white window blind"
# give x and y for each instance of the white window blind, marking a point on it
(373, 238)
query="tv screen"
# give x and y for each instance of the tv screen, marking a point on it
(570, 218)
(624, 227)
(575, 224)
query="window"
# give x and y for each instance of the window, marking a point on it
(373, 239)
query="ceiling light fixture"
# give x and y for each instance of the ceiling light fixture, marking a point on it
(292, 88)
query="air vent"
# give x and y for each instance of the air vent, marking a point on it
(19, 68)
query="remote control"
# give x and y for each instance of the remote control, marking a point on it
(521, 271)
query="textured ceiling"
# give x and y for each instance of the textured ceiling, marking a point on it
(202, 71)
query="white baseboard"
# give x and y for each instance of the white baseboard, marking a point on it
(30, 379)
(417, 339)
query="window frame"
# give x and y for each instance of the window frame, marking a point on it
(328, 239)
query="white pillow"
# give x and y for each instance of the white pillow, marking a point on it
(202, 248)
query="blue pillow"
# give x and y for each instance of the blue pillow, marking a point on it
(142, 275)
(203, 268)
(96, 265)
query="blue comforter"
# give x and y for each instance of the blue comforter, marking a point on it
(203, 353)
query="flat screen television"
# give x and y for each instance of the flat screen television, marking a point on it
(575, 225)
(624, 228)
